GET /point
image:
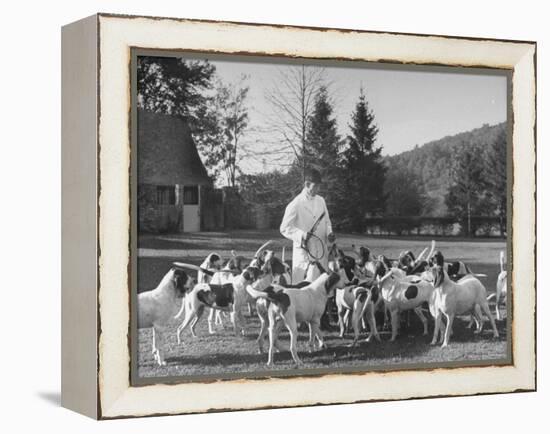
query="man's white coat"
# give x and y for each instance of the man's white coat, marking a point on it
(300, 215)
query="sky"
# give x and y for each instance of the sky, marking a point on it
(411, 106)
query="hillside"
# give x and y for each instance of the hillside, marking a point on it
(432, 162)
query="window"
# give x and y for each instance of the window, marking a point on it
(191, 195)
(166, 195)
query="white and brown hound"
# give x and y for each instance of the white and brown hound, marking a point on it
(361, 300)
(501, 287)
(274, 272)
(228, 297)
(467, 296)
(211, 263)
(296, 305)
(156, 308)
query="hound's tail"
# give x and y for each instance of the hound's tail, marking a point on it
(420, 256)
(491, 296)
(501, 261)
(194, 267)
(471, 273)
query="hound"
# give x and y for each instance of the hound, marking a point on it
(371, 268)
(366, 263)
(468, 295)
(226, 297)
(156, 308)
(226, 276)
(211, 263)
(360, 297)
(400, 293)
(410, 264)
(357, 300)
(455, 270)
(502, 287)
(294, 305)
(274, 271)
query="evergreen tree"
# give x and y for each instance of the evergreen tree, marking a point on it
(363, 172)
(495, 177)
(465, 197)
(173, 85)
(404, 194)
(323, 145)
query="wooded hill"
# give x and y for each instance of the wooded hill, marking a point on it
(431, 163)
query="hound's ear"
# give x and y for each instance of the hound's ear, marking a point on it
(180, 277)
(332, 280)
(439, 275)
(251, 273)
(438, 258)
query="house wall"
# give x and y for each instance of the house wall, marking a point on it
(154, 217)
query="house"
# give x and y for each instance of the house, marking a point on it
(171, 175)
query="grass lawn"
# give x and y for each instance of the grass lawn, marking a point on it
(226, 353)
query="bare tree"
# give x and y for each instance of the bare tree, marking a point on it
(291, 98)
(226, 122)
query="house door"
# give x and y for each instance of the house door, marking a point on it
(191, 209)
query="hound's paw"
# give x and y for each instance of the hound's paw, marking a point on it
(495, 335)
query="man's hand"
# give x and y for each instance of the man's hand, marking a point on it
(305, 239)
(331, 237)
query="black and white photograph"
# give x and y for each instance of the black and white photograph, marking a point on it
(299, 217)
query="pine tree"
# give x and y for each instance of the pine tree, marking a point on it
(323, 144)
(173, 85)
(465, 197)
(496, 176)
(363, 172)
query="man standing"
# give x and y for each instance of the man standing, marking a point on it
(306, 220)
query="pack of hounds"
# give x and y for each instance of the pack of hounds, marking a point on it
(360, 285)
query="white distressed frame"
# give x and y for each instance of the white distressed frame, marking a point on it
(116, 35)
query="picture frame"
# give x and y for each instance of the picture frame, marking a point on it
(96, 215)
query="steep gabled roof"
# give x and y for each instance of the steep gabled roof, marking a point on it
(166, 151)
